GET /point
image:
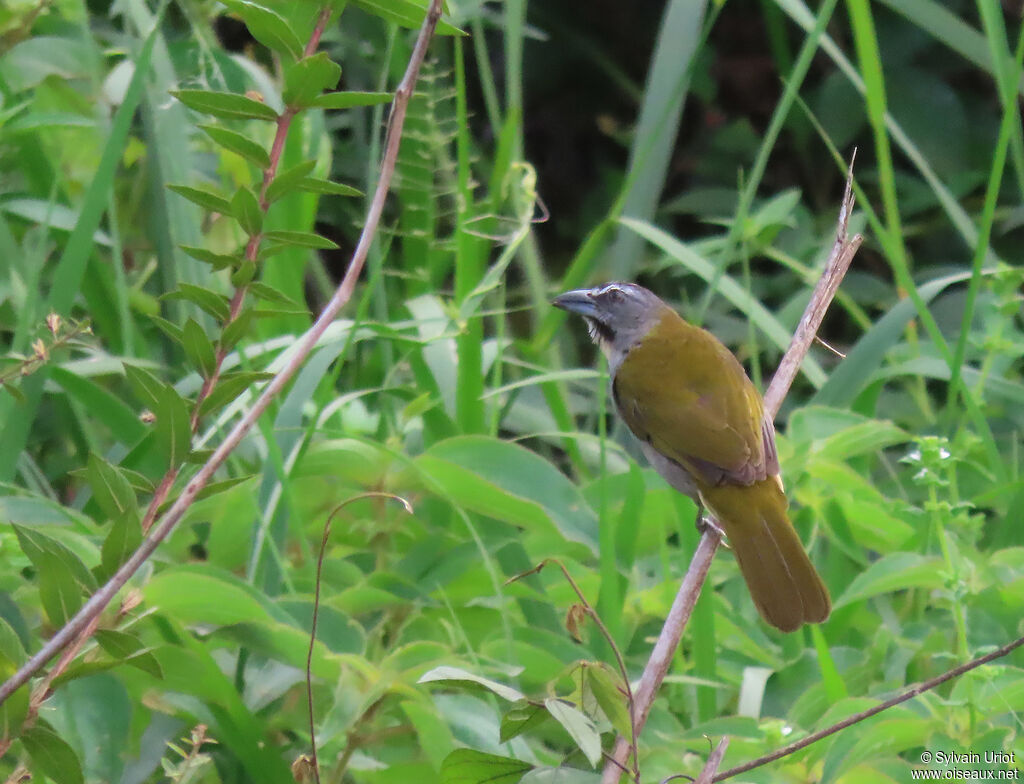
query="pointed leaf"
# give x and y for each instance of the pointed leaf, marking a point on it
(62, 575)
(227, 106)
(169, 328)
(244, 274)
(218, 261)
(112, 491)
(236, 330)
(173, 428)
(246, 210)
(198, 348)
(347, 100)
(894, 572)
(128, 648)
(237, 143)
(469, 766)
(445, 673)
(52, 755)
(269, 293)
(124, 537)
(217, 305)
(288, 180)
(579, 727)
(317, 185)
(305, 80)
(229, 386)
(404, 13)
(267, 27)
(147, 386)
(520, 719)
(607, 689)
(207, 198)
(303, 239)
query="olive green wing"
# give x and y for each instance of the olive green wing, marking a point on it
(684, 392)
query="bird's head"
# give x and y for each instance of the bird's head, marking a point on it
(618, 315)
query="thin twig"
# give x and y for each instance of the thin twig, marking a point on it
(316, 614)
(843, 251)
(303, 346)
(707, 774)
(910, 693)
(623, 672)
(166, 483)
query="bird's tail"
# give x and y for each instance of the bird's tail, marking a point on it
(784, 585)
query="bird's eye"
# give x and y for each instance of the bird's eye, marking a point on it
(613, 294)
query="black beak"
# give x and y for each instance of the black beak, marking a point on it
(579, 301)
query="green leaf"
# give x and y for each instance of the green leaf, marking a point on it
(244, 274)
(127, 648)
(107, 408)
(317, 185)
(288, 180)
(218, 261)
(446, 673)
(895, 572)
(348, 100)
(229, 386)
(267, 27)
(198, 348)
(169, 328)
(147, 387)
(207, 198)
(213, 488)
(52, 755)
(468, 766)
(173, 427)
(62, 576)
(201, 594)
(217, 305)
(608, 690)
(15, 707)
(237, 143)
(510, 483)
(579, 727)
(522, 718)
(303, 239)
(405, 13)
(246, 209)
(270, 294)
(112, 491)
(227, 106)
(124, 537)
(305, 80)
(237, 329)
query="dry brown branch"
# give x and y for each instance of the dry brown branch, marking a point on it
(910, 693)
(843, 251)
(707, 774)
(314, 762)
(303, 346)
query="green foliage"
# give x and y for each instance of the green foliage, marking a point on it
(183, 232)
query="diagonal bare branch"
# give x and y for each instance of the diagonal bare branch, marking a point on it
(843, 251)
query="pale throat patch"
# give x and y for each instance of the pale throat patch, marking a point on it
(600, 338)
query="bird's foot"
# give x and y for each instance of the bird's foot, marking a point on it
(706, 523)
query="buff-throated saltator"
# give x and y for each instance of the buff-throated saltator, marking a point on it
(702, 426)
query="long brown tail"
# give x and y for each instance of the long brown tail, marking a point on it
(784, 585)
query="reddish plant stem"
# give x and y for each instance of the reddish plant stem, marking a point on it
(91, 610)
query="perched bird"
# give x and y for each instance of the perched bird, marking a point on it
(702, 426)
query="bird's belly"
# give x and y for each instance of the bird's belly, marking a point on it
(670, 471)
